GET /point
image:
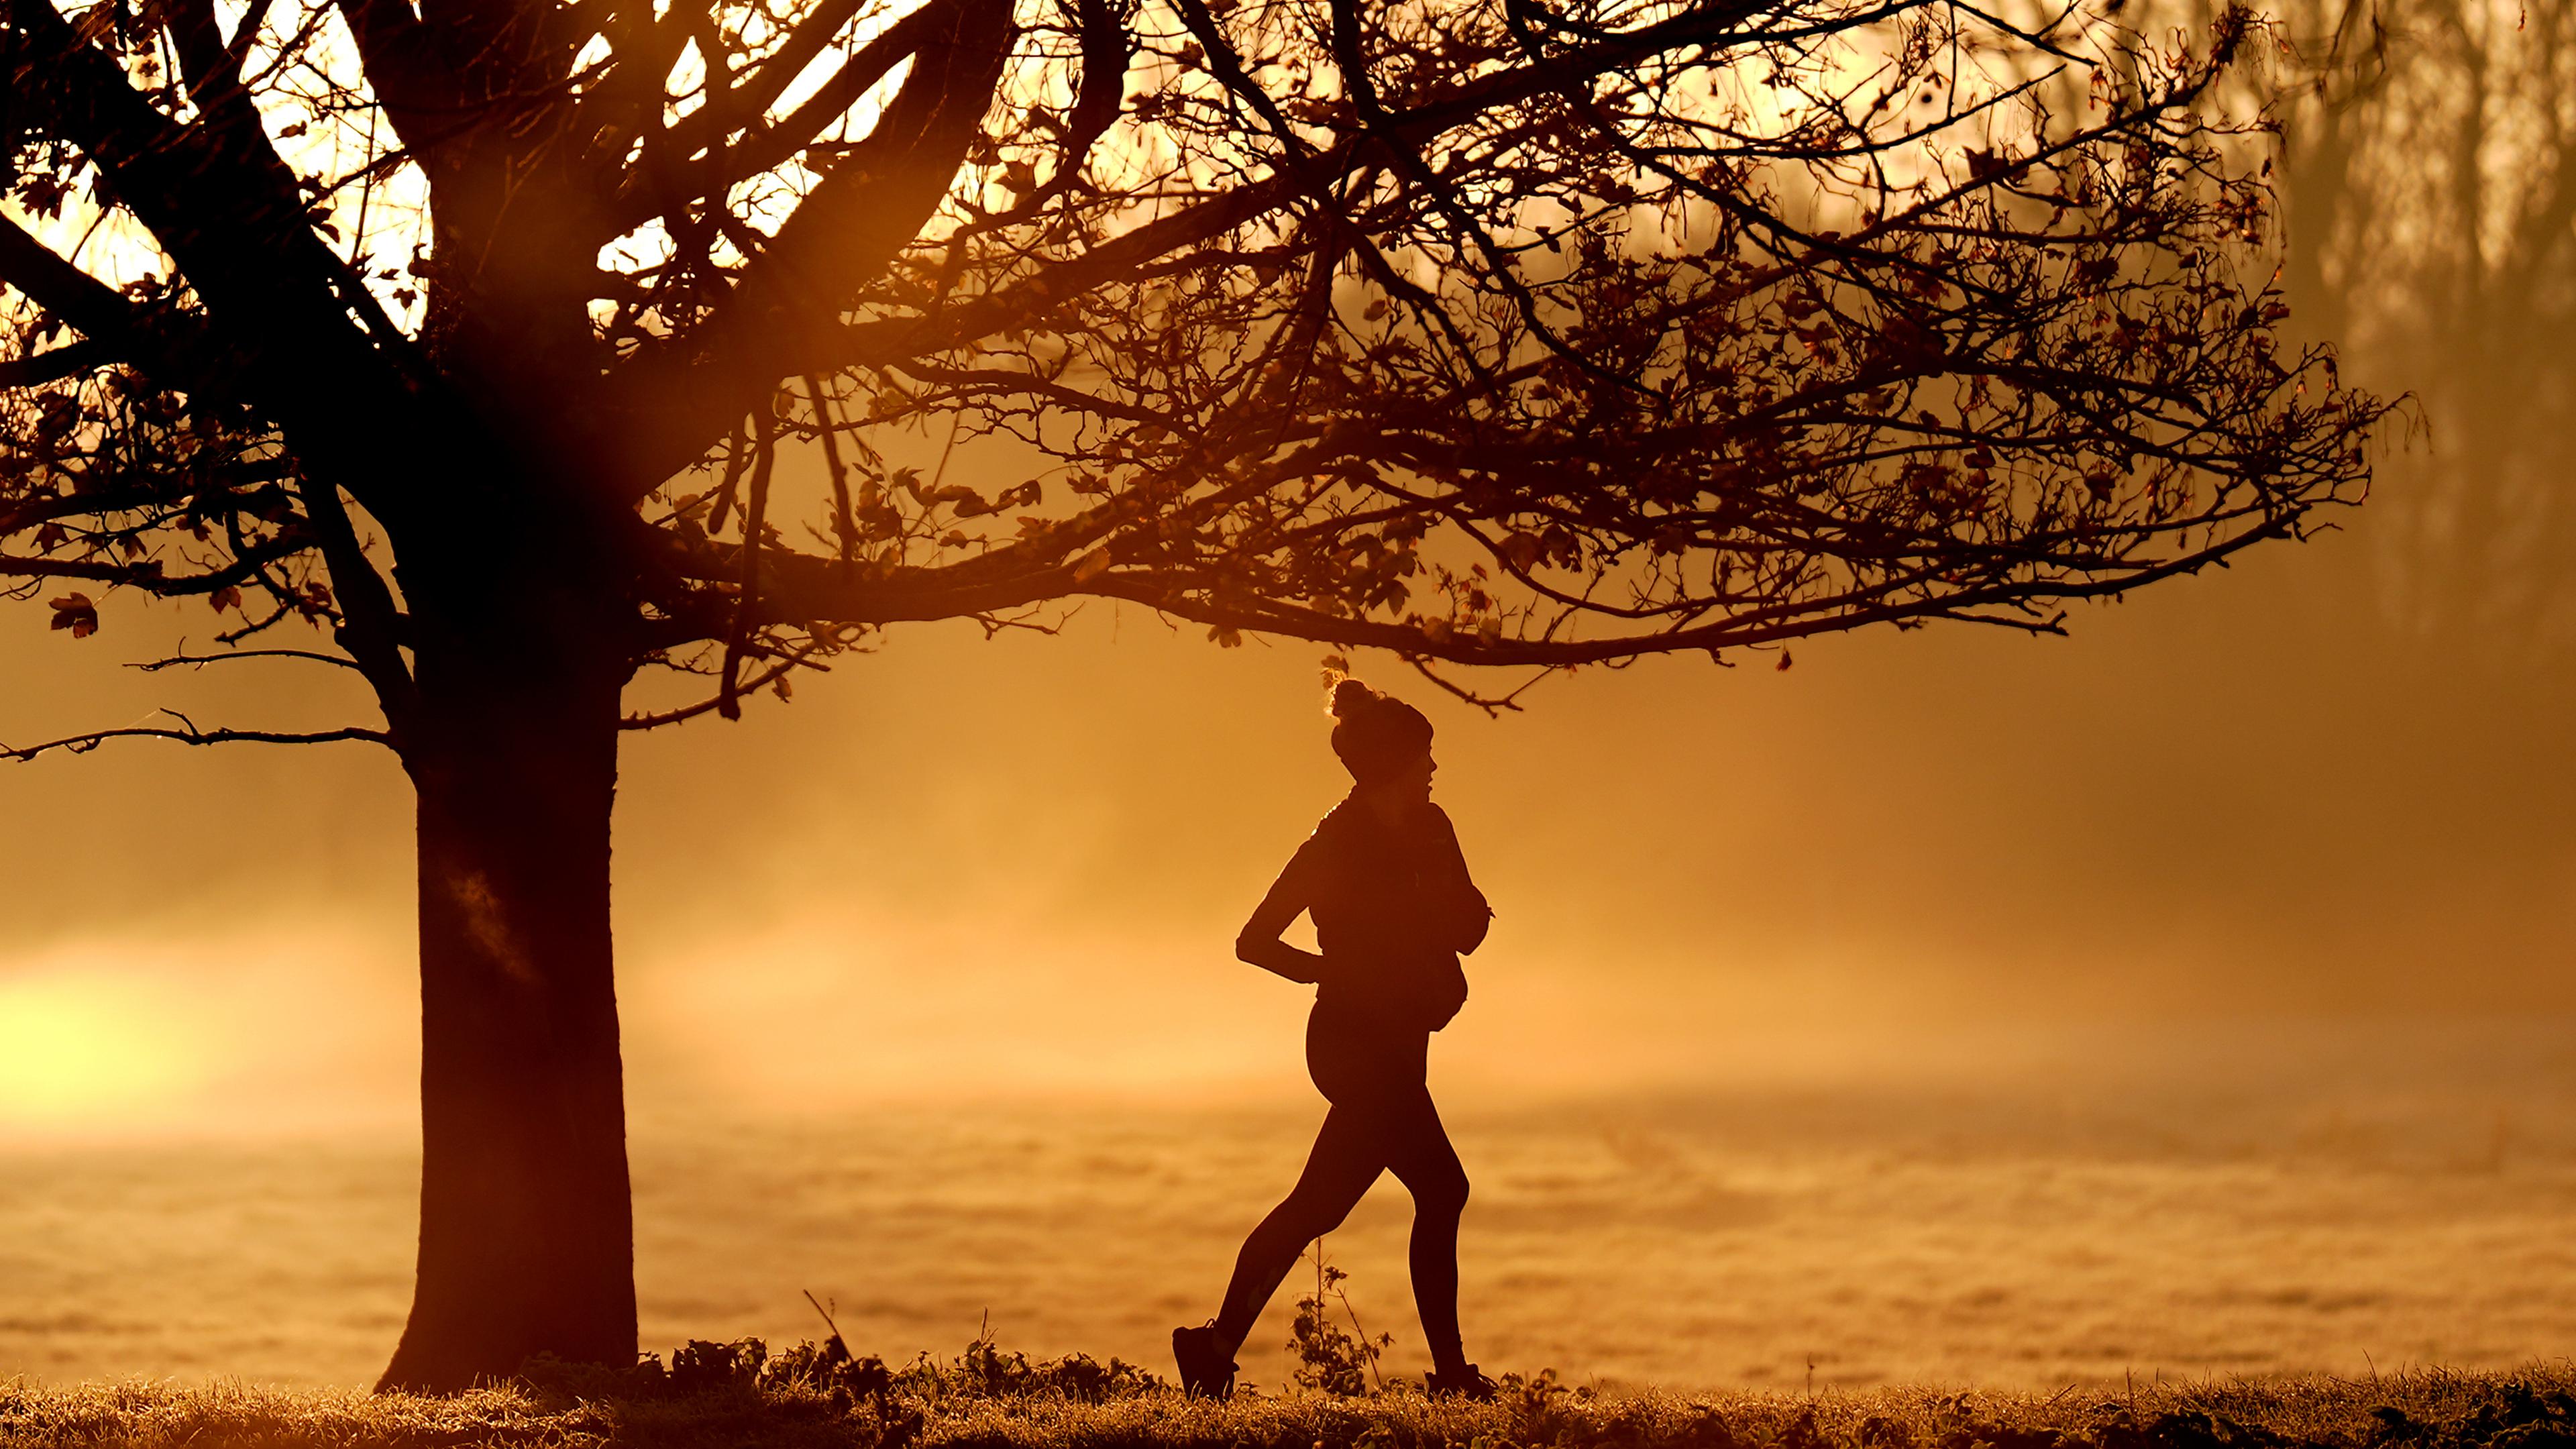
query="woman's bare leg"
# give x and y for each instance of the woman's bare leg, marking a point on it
(1418, 1150)
(1348, 1155)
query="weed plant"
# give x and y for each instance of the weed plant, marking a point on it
(1331, 1359)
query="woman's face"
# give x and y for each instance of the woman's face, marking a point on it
(1412, 784)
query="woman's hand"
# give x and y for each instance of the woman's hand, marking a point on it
(1277, 956)
(1259, 944)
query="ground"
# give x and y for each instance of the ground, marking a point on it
(740, 1397)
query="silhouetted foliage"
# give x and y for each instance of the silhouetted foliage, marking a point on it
(1379, 329)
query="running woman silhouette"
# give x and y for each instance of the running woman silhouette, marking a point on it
(1393, 909)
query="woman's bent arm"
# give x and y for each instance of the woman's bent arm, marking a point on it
(1259, 942)
(1468, 911)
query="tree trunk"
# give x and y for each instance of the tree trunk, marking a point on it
(526, 1229)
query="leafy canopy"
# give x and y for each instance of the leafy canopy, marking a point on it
(1513, 332)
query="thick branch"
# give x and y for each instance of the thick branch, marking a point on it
(307, 338)
(849, 227)
(371, 631)
(99, 311)
(683, 398)
(56, 364)
(147, 574)
(404, 69)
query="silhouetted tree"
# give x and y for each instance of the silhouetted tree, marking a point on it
(1486, 332)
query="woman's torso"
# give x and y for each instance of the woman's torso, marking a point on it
(1388, 901)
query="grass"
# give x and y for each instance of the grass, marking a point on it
(736, 1396)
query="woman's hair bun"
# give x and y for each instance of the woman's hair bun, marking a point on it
(1350, 696)
(1377, 735)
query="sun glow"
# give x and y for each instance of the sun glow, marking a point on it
(286, 1028)
(77, 1050)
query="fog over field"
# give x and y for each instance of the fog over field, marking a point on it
(2315, 1199)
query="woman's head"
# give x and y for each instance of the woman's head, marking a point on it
(1381, 739)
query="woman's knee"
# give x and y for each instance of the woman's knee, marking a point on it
(1307, 1217)
(1441, 1191)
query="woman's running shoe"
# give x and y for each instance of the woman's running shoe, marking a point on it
(1206, 1373)
(1463, 1382)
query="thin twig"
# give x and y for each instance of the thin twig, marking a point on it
(754, 519)
(82, 744)
(157, 665)
(843, 525)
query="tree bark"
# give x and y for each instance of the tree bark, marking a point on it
(526, 1229)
